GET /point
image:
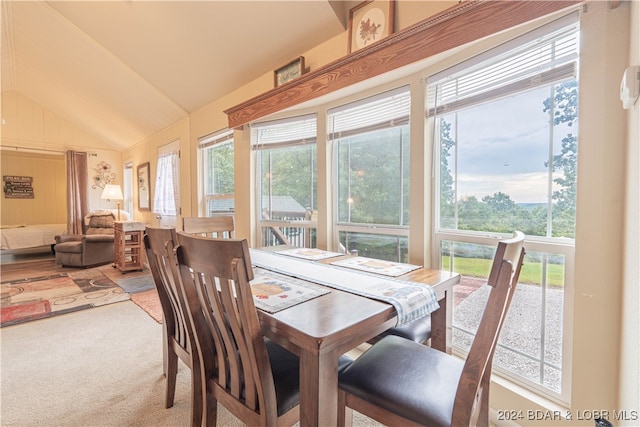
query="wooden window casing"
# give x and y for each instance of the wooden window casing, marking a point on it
(463, 23)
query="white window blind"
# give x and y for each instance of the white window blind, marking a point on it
(388, 109)
(546, 55)
(216, 138)
(284, 133)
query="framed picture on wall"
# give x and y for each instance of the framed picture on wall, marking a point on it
(144, 187)
(369, 22)
(288, 72)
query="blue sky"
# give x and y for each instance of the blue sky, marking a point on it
(503, 146)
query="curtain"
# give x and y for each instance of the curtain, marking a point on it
(77, 188)
(166, 194)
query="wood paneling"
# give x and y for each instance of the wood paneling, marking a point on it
(464, 23)
(49, 186)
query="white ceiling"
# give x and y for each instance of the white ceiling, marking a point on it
(123, 70)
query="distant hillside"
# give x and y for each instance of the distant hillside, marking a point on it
(530, 205)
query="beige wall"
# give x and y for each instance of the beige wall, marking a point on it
(629, 369)
(147, 151)
(29, 124)
(48, 205)
(40, 136)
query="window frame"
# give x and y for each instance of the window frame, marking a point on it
(394, 230)
(309, 225)
(544, 244)
(213, 141)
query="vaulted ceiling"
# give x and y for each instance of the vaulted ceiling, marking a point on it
(123, 70)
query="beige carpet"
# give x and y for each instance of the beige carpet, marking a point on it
(99, 367)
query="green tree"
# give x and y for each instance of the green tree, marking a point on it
(565, 111)
(447, 194)
(221, 176)
(373, 177)
(291, 172)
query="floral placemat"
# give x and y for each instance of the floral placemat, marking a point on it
(273, 292)
(370, 265)
(312, 254)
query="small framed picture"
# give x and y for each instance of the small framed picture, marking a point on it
(288, 72)
(369, 22)
(144, 187)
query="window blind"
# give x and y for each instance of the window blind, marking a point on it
(388, 109)
(216, 138)
(547, 55)
(287, 132)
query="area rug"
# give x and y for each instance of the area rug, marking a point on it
(50, 295)
(143, 293)
(149, 302)
(132, 285)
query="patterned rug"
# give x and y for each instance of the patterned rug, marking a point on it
(149, 302)
(49, 295)
(143, 294)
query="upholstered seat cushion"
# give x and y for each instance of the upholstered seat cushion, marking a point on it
(286, 375)
(418, 330)
(368, 378)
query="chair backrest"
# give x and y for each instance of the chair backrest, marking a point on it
(474, 382)
(159, 243)
(99, 223)
(216, 226)
(238, 364)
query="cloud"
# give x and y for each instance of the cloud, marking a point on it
(522, 188)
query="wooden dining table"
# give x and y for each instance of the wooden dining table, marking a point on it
(323, 328)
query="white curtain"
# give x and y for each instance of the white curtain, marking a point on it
(166, 195)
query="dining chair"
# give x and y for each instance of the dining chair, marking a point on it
(400, 382)
(178, 338)
(418, 331)
(215, 226)
(253, 377)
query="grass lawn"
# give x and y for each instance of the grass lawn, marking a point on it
(531, 271)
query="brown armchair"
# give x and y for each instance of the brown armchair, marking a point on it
(95, 247)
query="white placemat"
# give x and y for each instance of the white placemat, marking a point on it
(310, 254)
(371, 265)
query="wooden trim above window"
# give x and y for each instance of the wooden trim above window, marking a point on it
(463, 23)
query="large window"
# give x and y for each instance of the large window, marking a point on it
(505, 125)
(217, 173)
(287, 178)
(371, 143)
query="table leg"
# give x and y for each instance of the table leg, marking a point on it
(441, 321)
(318, 389)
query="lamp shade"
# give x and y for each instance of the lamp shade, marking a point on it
(112, 192)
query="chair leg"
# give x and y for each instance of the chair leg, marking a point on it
(172, 373)
(210, 411)
(483, 415)
(165, 347)
(197, 395)
(345, 414)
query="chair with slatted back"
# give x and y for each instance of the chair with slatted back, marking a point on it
(400, 382)
(216, 226)
(177, 336)
(254, 378)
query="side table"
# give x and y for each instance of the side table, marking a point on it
(128, 245)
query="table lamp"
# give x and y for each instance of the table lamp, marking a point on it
(113, 192)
